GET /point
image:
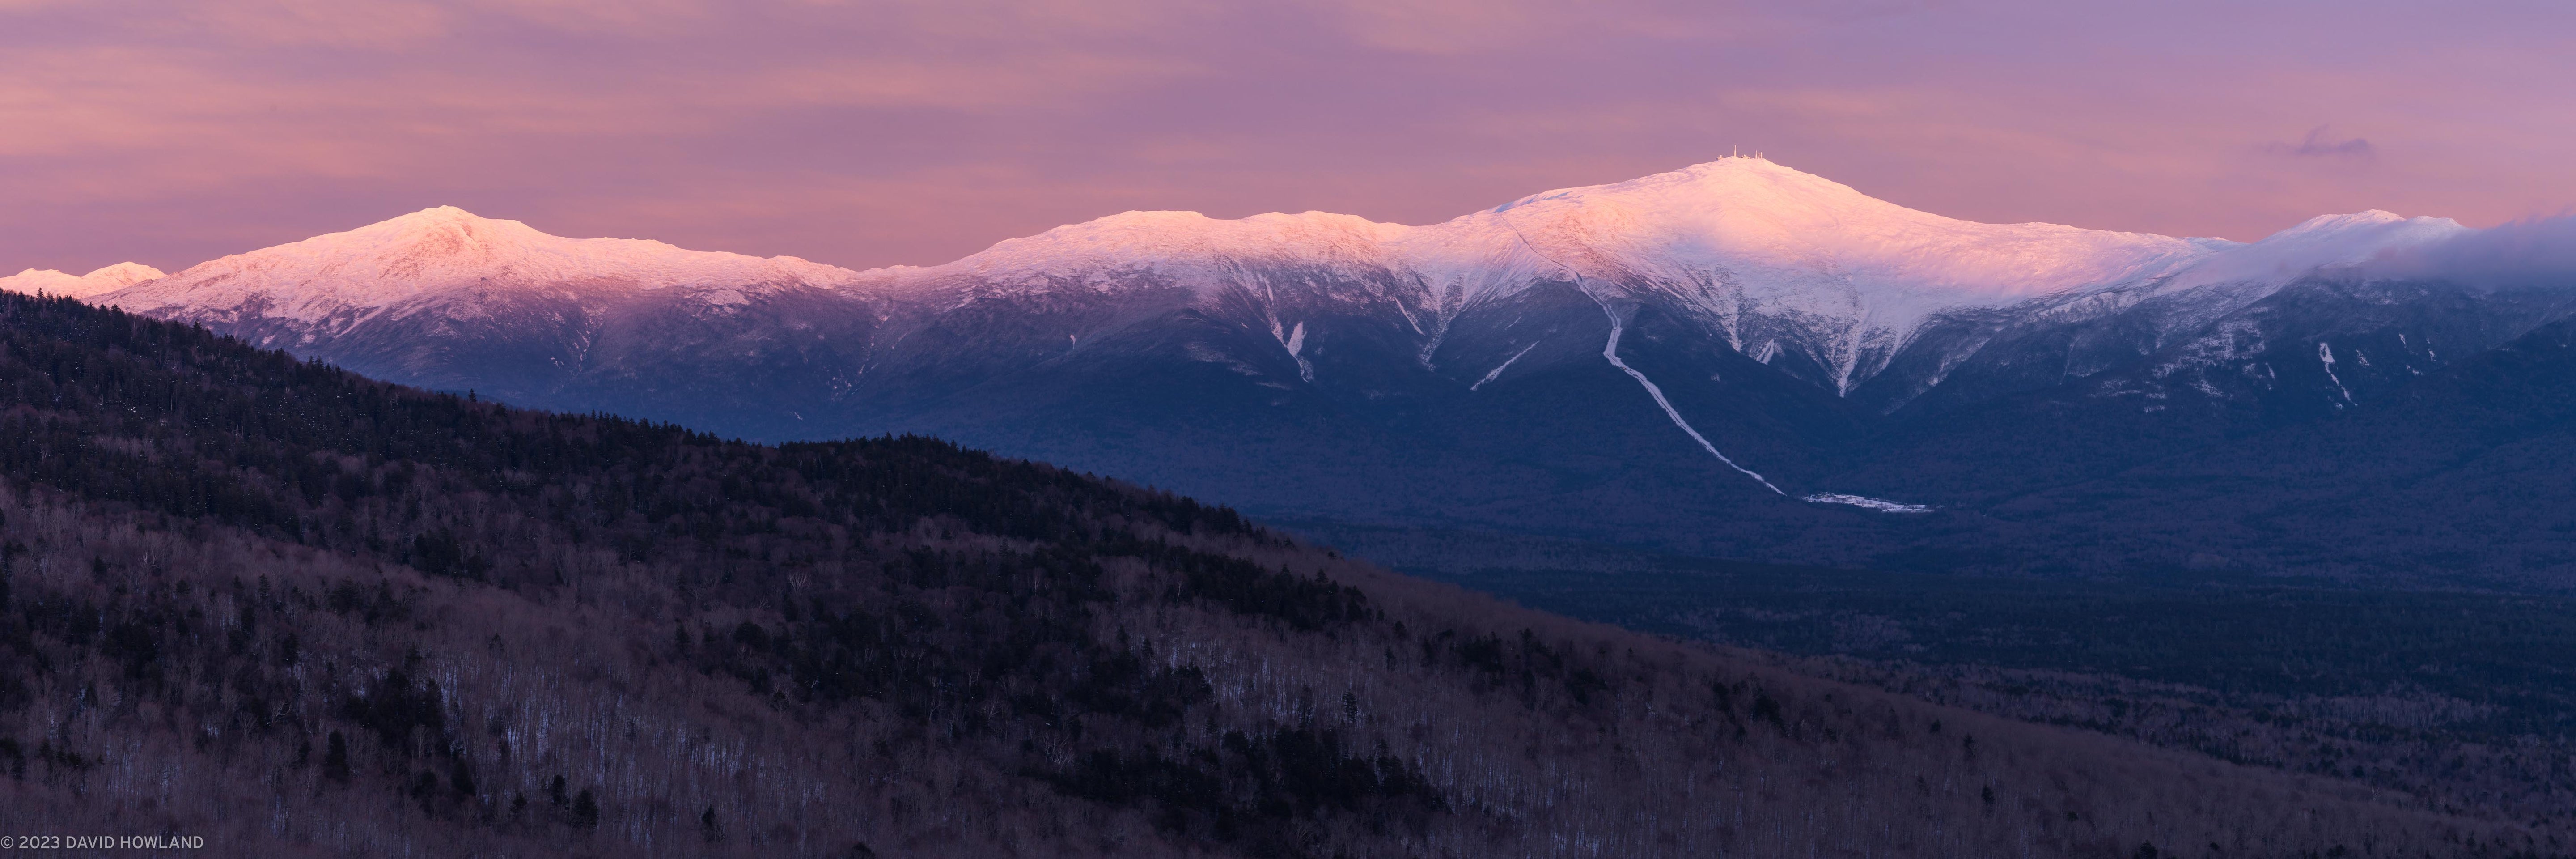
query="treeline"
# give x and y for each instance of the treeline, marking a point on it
(2461, 699)
(178, 420)
(297, 612)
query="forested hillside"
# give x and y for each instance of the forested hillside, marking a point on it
(297, 612)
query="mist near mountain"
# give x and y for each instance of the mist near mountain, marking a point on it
(2532, 251)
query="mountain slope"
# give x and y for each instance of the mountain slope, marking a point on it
(327, 615)
(2462, 471)
(2063, 403)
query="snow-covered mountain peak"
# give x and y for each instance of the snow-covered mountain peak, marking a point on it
(446, 238)
(2357, 220)
(2325, 240)
(447, 252)
(433, 217)
(1737, 182)
(2370, 231)
(1755, 216)
(43, 281)
(122, 275)
(104, 280)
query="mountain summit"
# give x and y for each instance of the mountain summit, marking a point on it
(1753, 215)
(99, 282)
(401, 263)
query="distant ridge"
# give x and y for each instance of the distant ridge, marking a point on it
(1672, 361)
(102, 281)
(446, 250)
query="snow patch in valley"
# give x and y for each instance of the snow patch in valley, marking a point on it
(1865, 502)
(1498, 370)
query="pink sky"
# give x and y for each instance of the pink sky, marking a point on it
(870, 133)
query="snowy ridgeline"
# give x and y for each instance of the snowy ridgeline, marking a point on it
(1751, 257)
(1726, 241)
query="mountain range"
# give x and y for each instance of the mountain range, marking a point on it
(1735, 359)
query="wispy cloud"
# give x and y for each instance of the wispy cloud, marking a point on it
(2535, 251)
(2321, 144)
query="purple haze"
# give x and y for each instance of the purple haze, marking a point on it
(872, 133)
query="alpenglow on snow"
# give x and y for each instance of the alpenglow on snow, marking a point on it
(1809, 278)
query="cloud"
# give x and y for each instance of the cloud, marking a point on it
(2535, 251)
(620, 17)
(330, 23)
(2318, 145)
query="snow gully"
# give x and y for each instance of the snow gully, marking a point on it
(1610, 350)
(2325, 354)
(1498, 371)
